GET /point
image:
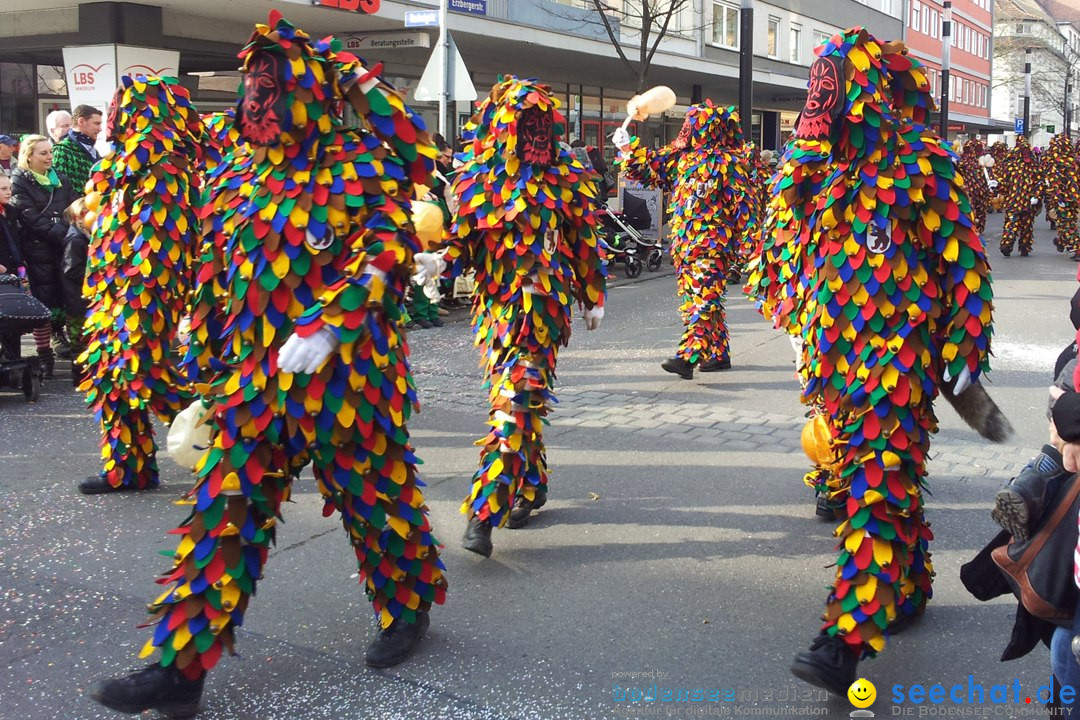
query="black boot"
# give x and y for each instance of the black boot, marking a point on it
(1019, 505)
(714, 365)
(48, 362)
(97, 484)
(164, 689)
(680, 367)
(397, 642)
(519, 514)
(477, 537)
(829, 663)
(824, 509)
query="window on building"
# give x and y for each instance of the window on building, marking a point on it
(725, 25)
(916, 13)
(926, 18)
(772, 41)
(935, 23)
(820, 38)
(795, 43)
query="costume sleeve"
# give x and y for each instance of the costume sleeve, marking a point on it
(655, 168)
(946, 220)
(590, 273)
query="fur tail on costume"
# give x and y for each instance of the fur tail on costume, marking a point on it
(980, 412)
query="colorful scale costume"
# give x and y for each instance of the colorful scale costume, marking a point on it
(1063, 190)
(1021, 181)
(707, 171)
(310, 230)
(1000, 152)
(138, 277)
(976, 183)
(875, 264)
(526, 223)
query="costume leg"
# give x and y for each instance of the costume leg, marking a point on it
(127, 442)
(521, 371)
(1024, 234)
(719, 343)
(1010, 232)
(699, 303)
(242, 483)
(1066, 229)
(884, 566)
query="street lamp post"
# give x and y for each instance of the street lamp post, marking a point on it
(1027, 93)
(1068, 99)
(946, 52)
(746, 66)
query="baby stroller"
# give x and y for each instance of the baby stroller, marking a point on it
(19, 314)
(621, 232)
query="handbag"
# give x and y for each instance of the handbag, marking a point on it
(1040, 570)
(189, 435)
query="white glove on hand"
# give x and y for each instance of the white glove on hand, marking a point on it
(1034, 201)
(993, 184)
(593, 316)
(306, 354)
(963, 380)
(427, 267)
(620, 138)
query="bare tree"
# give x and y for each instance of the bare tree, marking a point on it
(1048, 77)
(653, 18)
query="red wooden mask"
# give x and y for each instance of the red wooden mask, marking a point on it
(261, 111)
(825, 101)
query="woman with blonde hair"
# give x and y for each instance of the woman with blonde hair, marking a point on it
(39, 198)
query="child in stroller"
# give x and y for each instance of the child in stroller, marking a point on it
(621, 232)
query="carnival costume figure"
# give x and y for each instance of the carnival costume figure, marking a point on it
(310, 248)
(138, 279)
(526, 223)
(1022, 187)
(1063, 192)
(974, 160)
(707, 172)
(876, 266)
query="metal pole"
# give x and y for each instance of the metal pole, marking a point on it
(1068, 93)
(1027, 93)
(946, 63)
(444, 43)
(746, 66)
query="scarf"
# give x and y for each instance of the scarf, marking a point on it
(86, 141)
(48, 180)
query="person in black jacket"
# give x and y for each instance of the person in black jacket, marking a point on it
(73, 267)
(10, 256)
(39, 198)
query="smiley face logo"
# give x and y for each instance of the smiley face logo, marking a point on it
(862, 693)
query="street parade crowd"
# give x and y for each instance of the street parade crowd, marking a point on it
(247, 277)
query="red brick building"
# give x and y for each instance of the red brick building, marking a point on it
(970, 59)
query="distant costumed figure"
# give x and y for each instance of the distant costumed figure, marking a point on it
(974, 162)
(138, 280)
(999, 151)
(526, 223)
(708, 172)
(1062, 176)
(875, 266)
(308, 248)
(1021, 182)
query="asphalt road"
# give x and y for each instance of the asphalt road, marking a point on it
(679, 547)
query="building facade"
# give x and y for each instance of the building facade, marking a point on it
(970, 58)
(1020, 26)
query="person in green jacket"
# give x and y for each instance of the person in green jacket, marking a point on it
(75, 154)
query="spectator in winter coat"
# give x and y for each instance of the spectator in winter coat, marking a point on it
(39, 197)
(10, 256)
(75, 154)
(73, 267)
(8, 147)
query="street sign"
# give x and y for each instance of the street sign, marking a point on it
(1050, 129)
(473, 7)
(1018, 125)
(459, 86)
(421, 18)
(388, 41)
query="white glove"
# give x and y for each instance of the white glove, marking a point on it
(993, 184)
(963, 380)
(427, 267)
(306, 354)
(620, 138)
(593, 316)
(1034, 201)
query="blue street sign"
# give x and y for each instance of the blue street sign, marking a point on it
(1018, 125)
(473, 7)
(421, 18)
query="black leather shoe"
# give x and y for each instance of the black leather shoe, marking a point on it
(437, 322)
(48, 362)
(519, 514)
(1020, 504)
(715, 365)
(680, 367)
(164, 689)
(477, 537)
(97, 484)
(1024, 253)
(396, 642)
(829, 664)
(1005, 252)
(824, 509)
(425, 324)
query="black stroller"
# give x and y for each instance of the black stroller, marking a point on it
(19, 314)
(621, 232)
